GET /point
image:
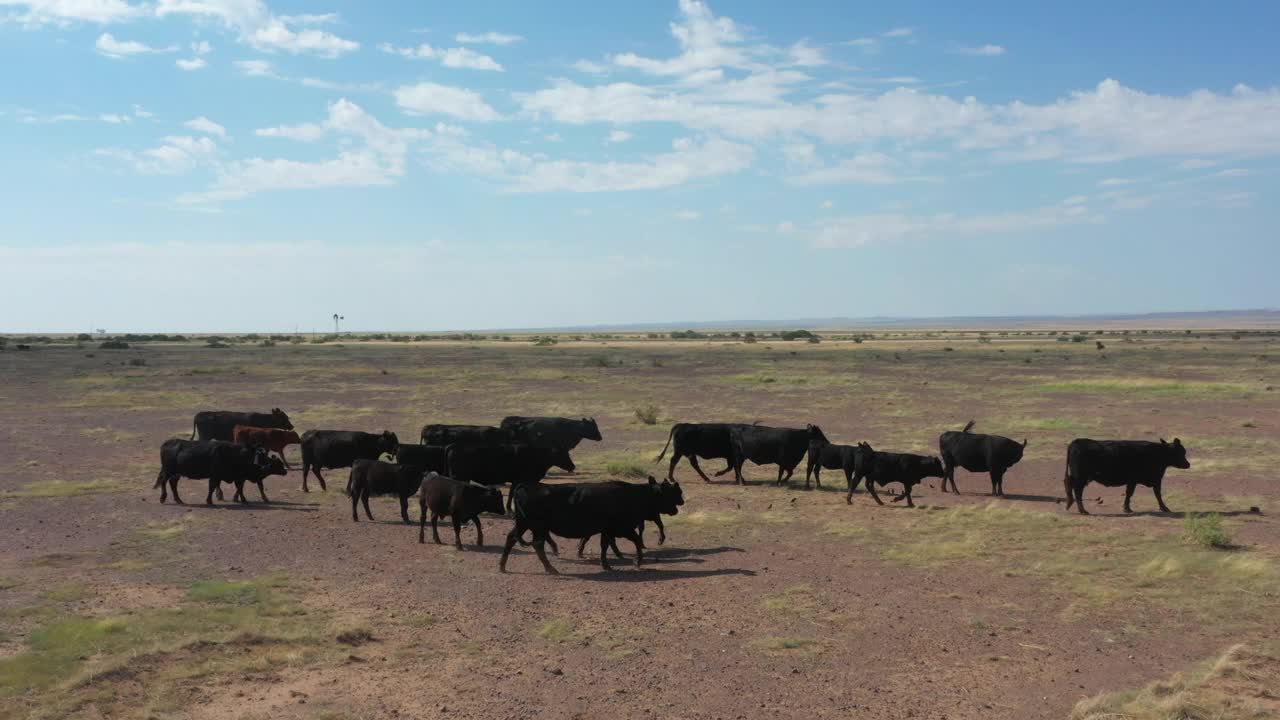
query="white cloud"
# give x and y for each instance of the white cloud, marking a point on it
(201, 48)
(898, 32)
(449, 57)
(115, 119)
(688, 215)
(381, 158)
(488, 38)
(705, 41)
(867, 168)
(62, 12)
(1232, 173)
(827, 205)
(1132, 202)
(619, 136)
(590, 68)
(256, 68)
(191, 64)
(553, 137)
(805, 55)
(310, 19)
(31, 118)
(786, 227)
(428, 98)
(174, 156)
(860, 230)
(108, 45)
(1115, 182)
(987, 50)
(1233, 201)
(204, 125)
(139, 111)
(1076, 200)
(259, 28)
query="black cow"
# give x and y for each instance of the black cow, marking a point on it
(340, 448)
(474, 434)
(461, 502)
(498, 464)
(700, 440)
(1120, 462)
(374, 477)
(22, 348)
(976, 452)
(825, 454)
(216, 461)
(882, 468)
(764, 445)
(551, 432)
(669, 495)
(219, 424)
(427, 457)
(580, 510)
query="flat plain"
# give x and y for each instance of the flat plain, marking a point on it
(764, 601)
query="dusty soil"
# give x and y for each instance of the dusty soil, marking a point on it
(764, 601)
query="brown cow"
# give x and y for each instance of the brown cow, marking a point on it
(271, 439)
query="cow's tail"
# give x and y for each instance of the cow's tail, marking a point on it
(664, 447)
(1066, 480)
(194, 429)
(159, 479)
(969, 426)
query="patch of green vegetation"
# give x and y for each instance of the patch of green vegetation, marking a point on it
(1148, 387)
(1099, 567)
(8, 583)
(1234, 686)
(1205, 530)
(220, 628)
(70, 592)
(66, 488)
(558, 629)
(794, 598)
(779, 644)
(627, 469)
(164, 531)
(648, 414)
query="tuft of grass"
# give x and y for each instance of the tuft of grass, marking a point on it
(66, 593)
(163, 531)
(558, 629)
(355, 637)
(1205, 530)
(66, 488)
(647, 414)
(782, 644)
(1149, 387)
(627, 469)
(794, 598)
(1235, 686)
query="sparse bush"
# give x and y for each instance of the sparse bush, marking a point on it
(84, 337)
(814, 340)
(796, 334)
(544, 341)
(948, 349)
(984, 340)
(1205, 529)
(687, 335)
(647, 414)
(603, 361)
(138, 362)
(750, 339)
(216, 344)
(113, 345)
(1077, 338)
(268, 343)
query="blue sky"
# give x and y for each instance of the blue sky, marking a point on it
(227, 165)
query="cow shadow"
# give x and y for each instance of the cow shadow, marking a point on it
(687, 554)
(252, 505)
(1024, 497)
(1176, 514)
(622, 574)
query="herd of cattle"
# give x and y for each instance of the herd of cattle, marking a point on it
(455, 469)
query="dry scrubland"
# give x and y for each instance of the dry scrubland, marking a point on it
(764, 602)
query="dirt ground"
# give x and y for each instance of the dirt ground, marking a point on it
(764, 601)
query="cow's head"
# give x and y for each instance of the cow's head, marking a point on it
(1016, 454)
(667, 497)
(815, 433)
(282, 420)
(933, 467)
(560, 458)
(388, 443)
(492, 502)
(290, 437)
(266, 464)
(1177, 454)
(590, 430)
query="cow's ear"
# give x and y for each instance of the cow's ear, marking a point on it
(652, 481)
(1024, 443)
(1162, 442)
(1177, 441)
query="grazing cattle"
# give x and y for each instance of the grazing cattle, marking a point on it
(427, 457)
(461, 502)
(22, 348)
(882, 468)
(473, 434)
(580, 510)
(700, 440)
(270, 439)
(219, 424)
(340, 448)
(976, 452)
(374, 477)
(498, 464)
(825, 454)
(765, 445)
(218, 462)
(551, 432)
(669, 496)
(1120, 462)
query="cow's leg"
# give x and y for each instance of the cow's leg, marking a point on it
(239, 496)
(633, 537)
(262, 491)
(604, 550)
(1079, 491)
(422, 523)
(355, 505)
(616, 552)
(320, 478)
(1160, 498)
(737, 472)
(693, 460)
(1128, 495)
(219, 492)
(555, 549)
(479, 531)
(671, 469)
(511, 498)
(790, 471)
(908, 496)
(173, 489)
(457, 531)
(539, 539)
(213, 485)
(582, 546)
(512, 536)
(662, 531)
(306, 468)
(284, 459)
(364, 500)
(817, 476)
(780, 471)
(404, 509)
(435, 533)
(871, 488)
(728, 466)
(808, 470)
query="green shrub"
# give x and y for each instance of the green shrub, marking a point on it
(647, 414)
(113, 345)
(1205, 529)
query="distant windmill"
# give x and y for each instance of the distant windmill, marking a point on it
(336, 319)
